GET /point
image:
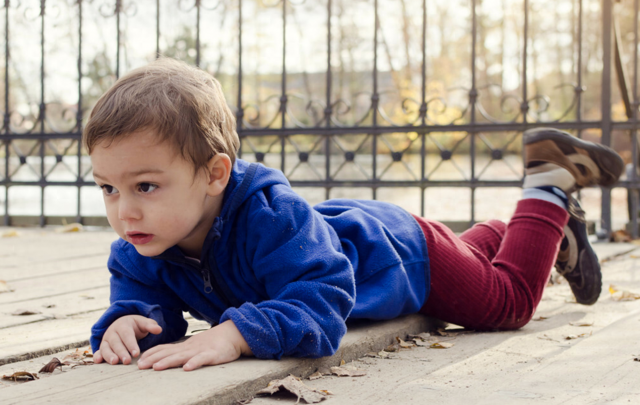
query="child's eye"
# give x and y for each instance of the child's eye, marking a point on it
(146, 187)
(108, 190)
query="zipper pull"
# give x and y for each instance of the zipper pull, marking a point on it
(207, 281)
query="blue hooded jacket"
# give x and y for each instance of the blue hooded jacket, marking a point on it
(287, 274)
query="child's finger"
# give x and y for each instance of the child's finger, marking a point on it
(121, 352)
(97, 357)
(129, 340)
(148, 325)
(175, 360)
(208, 358)
(107, 354)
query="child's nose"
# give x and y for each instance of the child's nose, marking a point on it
(128, 210)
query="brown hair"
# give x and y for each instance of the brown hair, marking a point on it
(184, 104)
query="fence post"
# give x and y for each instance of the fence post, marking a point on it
(605, 105)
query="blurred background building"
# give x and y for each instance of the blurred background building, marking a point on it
(417, 102)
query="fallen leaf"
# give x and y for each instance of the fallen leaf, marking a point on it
(11, 233)
(581, 323)
(297, 388)
(545, 337)
(23, 312)
(78, 358)
(441, 345)
(244, 401)
(21, 376)
(622, 295)
(52, 365)
(74, 227)
(421, 343)
(316, 375)
(541, 318)
(347, 371)
(405, 345)
(441, 332)
(4, 287)
(571, 337)
(421, 336)
(87, 297)
(342, 362)
(620, 236)
(391, 348)
(636, 359)
(634, 257)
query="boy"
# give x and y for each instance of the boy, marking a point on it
(230, 242)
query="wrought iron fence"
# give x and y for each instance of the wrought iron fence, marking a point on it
(367, 131)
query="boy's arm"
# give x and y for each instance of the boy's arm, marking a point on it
(130, 296)
(308, 279)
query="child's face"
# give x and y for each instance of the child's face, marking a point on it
(153, 198)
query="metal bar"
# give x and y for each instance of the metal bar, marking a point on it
(79, 112)
(117, 10)
(7, 116)
(605, 102)
(524, 107)
(157, 29)
(473, 97)
(633, 193)
(198, 33)
(283, 97)
(42, 111)
(423, 107)
(375, 99)
(327, 110)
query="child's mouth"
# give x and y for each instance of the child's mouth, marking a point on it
(138, 238)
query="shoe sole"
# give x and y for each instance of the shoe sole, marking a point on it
(608, 161)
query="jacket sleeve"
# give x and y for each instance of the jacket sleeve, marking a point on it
(309, 282)
(135, 292)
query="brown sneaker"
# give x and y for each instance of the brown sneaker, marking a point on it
(590, 163)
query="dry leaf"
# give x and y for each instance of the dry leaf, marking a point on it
(4, 287)
(52, 365)
(315, 375)
(571, 337)
(244, 401)
(11, 233)
(545, 337)
(347, 371)
(581, 323)
(22, 312)
(420, 343)
(21, 376)
(541, 318)
(405, 345)
(297, 388)
(441, 332)
(342, 362)
(391, 348)
(621, 295)
(571, 300)
(636, 359)
(441, 345)
(74, 227)
(49, 306)
(620, 236)
(421, 336)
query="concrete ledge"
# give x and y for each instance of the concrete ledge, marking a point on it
(220, 385)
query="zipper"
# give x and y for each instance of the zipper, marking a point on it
(206, 278)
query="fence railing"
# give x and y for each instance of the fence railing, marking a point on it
(381, 135)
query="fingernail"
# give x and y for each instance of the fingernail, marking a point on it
(134, 353)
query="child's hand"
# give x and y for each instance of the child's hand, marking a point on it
(218, 345)
(121, 338)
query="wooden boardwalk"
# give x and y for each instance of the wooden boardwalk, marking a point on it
(63, 280)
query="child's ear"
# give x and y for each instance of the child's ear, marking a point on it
(219, 170)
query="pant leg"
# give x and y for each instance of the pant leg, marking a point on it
(471, 288)
(486, 237)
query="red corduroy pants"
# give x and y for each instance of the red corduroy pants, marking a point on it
(493, 275)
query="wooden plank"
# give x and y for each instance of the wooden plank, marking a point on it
(52, 336)
(64, 306)
(45, 287)
(57, 266)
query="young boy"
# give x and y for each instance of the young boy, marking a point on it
(230, 242)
